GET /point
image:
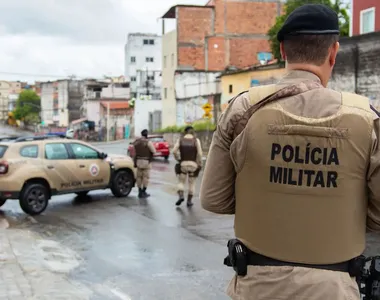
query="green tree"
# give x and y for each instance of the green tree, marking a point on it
(337, 5)
(28, 107)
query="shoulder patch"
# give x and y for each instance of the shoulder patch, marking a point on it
(232, 99)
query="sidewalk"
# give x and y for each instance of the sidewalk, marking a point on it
(36, 268)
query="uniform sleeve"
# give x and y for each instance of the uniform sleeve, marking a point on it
(217, 193)
(176, 153)
(199, 153)
(151, 147)
(373, 217)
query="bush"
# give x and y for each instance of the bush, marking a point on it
(198, 126)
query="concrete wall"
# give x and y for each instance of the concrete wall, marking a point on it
(193, 90)
(47, 95)
(357, 66)
(115, 92)
(135, 48)
(169, 58)
(141, 114)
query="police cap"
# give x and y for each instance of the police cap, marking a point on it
(310, 19)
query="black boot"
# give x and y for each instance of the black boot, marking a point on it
(189, 200)
(181, 198)
(140, 193)
(144, 193)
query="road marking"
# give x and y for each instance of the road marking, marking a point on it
(119, 294)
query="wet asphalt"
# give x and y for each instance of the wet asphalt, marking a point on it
(132, 249)
(138, 249)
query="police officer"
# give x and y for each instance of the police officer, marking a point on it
(297, 163)
(144, 151)
(188, 152)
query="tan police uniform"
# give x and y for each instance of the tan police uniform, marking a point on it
(144, 151)
(297, 175)
(188, 151)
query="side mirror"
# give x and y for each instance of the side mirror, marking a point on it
(103, 155)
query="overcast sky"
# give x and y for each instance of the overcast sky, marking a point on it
(64, 37)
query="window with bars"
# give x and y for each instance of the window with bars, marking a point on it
(367, 20)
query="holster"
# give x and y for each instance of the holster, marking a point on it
(177, 168)
(237, 257)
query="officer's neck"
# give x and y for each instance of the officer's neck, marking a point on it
(316, 70)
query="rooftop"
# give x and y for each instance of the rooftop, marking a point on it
(258, 67)
(171, 13)
(115, 104)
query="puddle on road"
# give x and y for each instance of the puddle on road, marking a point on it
(57, 257)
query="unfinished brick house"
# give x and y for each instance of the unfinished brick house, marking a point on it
(208, 39)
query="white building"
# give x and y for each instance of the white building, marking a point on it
(143, 65)
(61, 101)
(97, 92)
(147, 115)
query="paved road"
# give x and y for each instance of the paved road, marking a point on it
(108, 248)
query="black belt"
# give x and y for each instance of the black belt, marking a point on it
(239, 257)
(255, 259)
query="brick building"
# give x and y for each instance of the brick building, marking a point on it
(365, 16)
(222, 34)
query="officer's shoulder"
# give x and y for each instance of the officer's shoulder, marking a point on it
(358, 101)
(238, 97)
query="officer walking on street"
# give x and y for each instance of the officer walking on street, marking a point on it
(298, 165)
(188, 152)
(144, 151)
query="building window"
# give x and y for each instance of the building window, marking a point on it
(146, 42)
(133, 78)
(149, 59)
(367, 20)
(172, 60)
(165, 93)
(133, 59)
(133, 95)
(151, 77)
(151, 42)
(230, 89)
(165, 61)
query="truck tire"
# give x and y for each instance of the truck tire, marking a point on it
(2, 202)
(34, 198)
(122, 183)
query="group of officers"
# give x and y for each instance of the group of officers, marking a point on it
(187, 151)
(298, 165)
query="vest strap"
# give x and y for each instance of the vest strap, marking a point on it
(357, 101)
(258, 93)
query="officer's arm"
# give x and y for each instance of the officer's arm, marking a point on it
(199, 153)
(217, 188)
(373, 217)
(151, 147)
(176, 151)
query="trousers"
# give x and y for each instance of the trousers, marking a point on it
(143, 172)
(187, 171)
(292, 283)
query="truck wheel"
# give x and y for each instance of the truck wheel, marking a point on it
(166, 157)
(34, 198)
(122, 183)
(2, 202)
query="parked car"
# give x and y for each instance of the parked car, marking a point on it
(33, 169)
(159, 143)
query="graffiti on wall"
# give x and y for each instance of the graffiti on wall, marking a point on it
(189, 111)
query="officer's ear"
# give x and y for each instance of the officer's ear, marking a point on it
(333, 53)
(282, 50)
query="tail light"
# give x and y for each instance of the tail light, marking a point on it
(3, 167)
